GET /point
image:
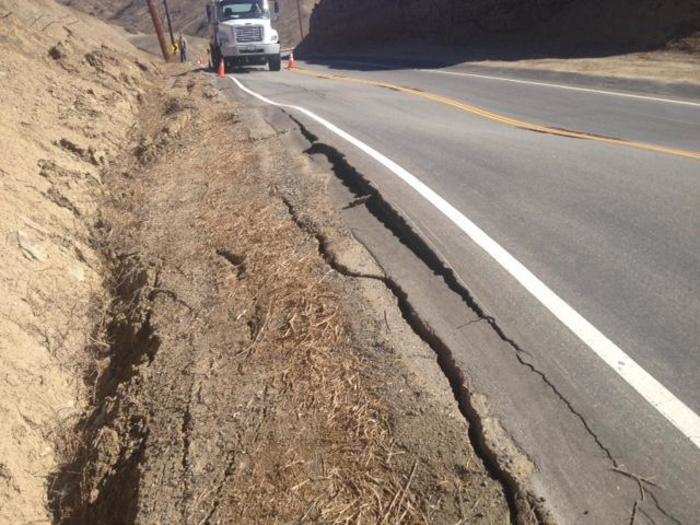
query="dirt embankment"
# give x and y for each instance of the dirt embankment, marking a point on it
(189, 16)
(70, 87)
(619, 38)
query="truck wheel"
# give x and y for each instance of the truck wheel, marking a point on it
(275, 63)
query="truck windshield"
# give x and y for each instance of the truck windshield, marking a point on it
(237, 9)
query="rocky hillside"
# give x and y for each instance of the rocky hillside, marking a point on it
(188, 15)
(573, 24)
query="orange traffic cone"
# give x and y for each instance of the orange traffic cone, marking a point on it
(292, 64)
(222, 69)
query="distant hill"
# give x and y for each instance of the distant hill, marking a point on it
(568, 24)
(628, 24)
(188, 15)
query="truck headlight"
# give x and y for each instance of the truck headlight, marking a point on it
(274, 36)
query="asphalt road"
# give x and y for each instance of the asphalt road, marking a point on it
(611, 228)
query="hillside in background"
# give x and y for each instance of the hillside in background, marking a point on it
(575, 27)
(188, 15)
(506, 28)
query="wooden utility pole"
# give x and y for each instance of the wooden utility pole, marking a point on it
(170, 22)
(301, 23)
(158, 26)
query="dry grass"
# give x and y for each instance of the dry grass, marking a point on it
(337, 455)
(328, 454)
(322, 444)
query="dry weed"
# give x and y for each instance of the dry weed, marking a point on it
(334, 463)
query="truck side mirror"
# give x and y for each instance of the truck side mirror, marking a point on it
(276, 7)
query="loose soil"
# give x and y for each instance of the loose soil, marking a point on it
(70, 87)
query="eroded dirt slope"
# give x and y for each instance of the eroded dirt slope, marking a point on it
(70, 86)
(655, 40)
(188, 16)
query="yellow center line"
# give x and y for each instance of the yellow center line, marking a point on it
(521, 124)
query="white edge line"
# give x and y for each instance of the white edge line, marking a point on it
(658, 396)
(562, 86)
(536, 83)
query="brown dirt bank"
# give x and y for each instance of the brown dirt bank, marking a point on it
(69, 89)
(189, 16)
(654, 40)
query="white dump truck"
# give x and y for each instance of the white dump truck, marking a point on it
(241, 33)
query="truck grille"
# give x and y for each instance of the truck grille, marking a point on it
(249, 34)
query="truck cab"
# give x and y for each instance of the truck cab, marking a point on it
(241, 33)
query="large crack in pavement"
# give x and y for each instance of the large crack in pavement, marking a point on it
(509, 484)
(367, 195)
(519, 500)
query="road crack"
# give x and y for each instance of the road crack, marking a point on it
(365, 194)
(513, 494)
